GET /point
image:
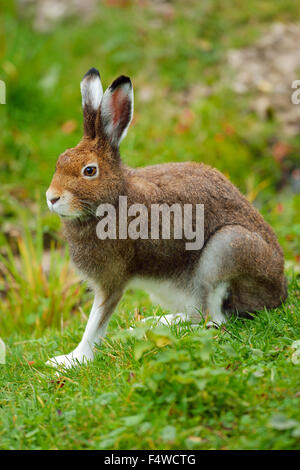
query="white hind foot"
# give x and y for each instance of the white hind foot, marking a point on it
(172, 319)
(214, 324)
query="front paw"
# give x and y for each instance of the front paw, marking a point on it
(72, 359)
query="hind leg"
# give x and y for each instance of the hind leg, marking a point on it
(212, 306)
(239, 269)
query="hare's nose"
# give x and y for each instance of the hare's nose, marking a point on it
(54, 200)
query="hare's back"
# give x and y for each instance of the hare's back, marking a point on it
(197, 183)
(188, 182)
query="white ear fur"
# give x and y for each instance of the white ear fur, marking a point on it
(117, 109)
(91, 89)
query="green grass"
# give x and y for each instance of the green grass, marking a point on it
(149, 388)
(160, 388)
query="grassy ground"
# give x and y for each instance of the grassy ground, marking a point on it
(164, 388)
(160, 388)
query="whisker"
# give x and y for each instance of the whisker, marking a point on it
(87, 207)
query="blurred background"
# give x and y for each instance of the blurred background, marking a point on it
(213, 83)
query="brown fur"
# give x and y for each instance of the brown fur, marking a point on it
(252, 261)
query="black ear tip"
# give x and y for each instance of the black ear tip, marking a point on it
(92, 73)
(119, 82)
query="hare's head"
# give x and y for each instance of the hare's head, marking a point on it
(91, 173)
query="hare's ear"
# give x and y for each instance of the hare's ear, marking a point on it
(91, 92)
(116, 110)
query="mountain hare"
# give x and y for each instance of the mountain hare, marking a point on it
(239, 268)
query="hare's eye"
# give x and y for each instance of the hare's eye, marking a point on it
(90, 171)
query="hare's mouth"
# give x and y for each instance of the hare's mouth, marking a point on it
(64, 215)
(62, 205)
